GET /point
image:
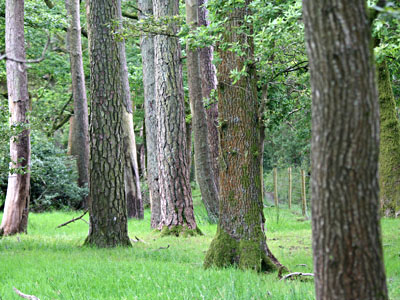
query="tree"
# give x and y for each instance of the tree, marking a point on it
(240, 238)
(389, 156)
(147, 50)
(107, 206)
(203, 165)
(175, 193)
(79, 130)
(15, 218)
(209, 84)
(348, 258)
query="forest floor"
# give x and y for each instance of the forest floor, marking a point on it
(51, 263)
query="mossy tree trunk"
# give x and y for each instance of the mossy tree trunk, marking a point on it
(147, 51)
(80, 129)
(107, 205)
(389, 157)
(203, 165)
(15, 218)
(240, 238)
(175, 192)
(208, 84)
(348, 256)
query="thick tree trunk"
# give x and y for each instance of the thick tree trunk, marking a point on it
(79, 130)
(240, 238)
(107, 206)
(389, 156)
(147, 49)
(176, 196)
(203, 166)
(15, 218)
(348, 258)
(208, 84)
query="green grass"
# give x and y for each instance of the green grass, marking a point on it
(51, 264)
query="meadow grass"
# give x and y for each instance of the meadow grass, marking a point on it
(52, 264)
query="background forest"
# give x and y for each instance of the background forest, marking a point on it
(277, 54)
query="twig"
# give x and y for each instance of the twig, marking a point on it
(161, 248)
(301, 265)
(140, 240)
(296, 274)
(25, 296)
(73, 220)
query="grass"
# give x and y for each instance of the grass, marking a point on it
(51, 264)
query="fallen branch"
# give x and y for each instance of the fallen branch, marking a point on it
(73, 220)
(161, 248)
(296, 274)
(140, 240)
(25, 296)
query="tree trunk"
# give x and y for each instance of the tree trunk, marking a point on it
(203, 166)
(348, 258)
(80, 145)
(15, 218)
(147, 49)
(71, 148)
(208, 84)
(107, 206)
(175, 193)
(389, 157)
(240, 238)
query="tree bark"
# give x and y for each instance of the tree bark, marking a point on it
(147, 50)
(389, 156)
(208, 84)
(203, 166)
(107, 206)
(15, 218)
(80, 145)
(348, 258)
(175, 193)
(71, 149)
(240, 238)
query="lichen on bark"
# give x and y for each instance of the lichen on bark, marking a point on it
(389, 157)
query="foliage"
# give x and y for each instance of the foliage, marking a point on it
(53, 177)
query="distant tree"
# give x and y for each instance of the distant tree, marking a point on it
(389, 155)
(175, 193)
(208, 85)
(15, 218)
(348, 257)
(203, 164)
(79, 122)
(240, 238)
(107, 206)
(147, 50)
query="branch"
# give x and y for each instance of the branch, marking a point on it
(296, 67)
(162, 248)
(130, 15)
(25, 296)
(29, 61)
(297, 274)
(73, 220)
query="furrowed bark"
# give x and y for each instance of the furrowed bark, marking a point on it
(147, 50)
(348, 256)
(203, 166)
(15, 218)
(107, 206)
(175, 192)
(240, 238)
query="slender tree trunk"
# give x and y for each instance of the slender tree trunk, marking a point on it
(389, 157)
(132, 177)
(71, 148)
(204, 170)
(108, 211)
(176, 196)
(208, 84)
(147, 49)
(240, 238)
(15, 218)
(80, 145)
(348, 258)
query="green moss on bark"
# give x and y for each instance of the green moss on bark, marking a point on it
(180, 231)
(389, 159)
